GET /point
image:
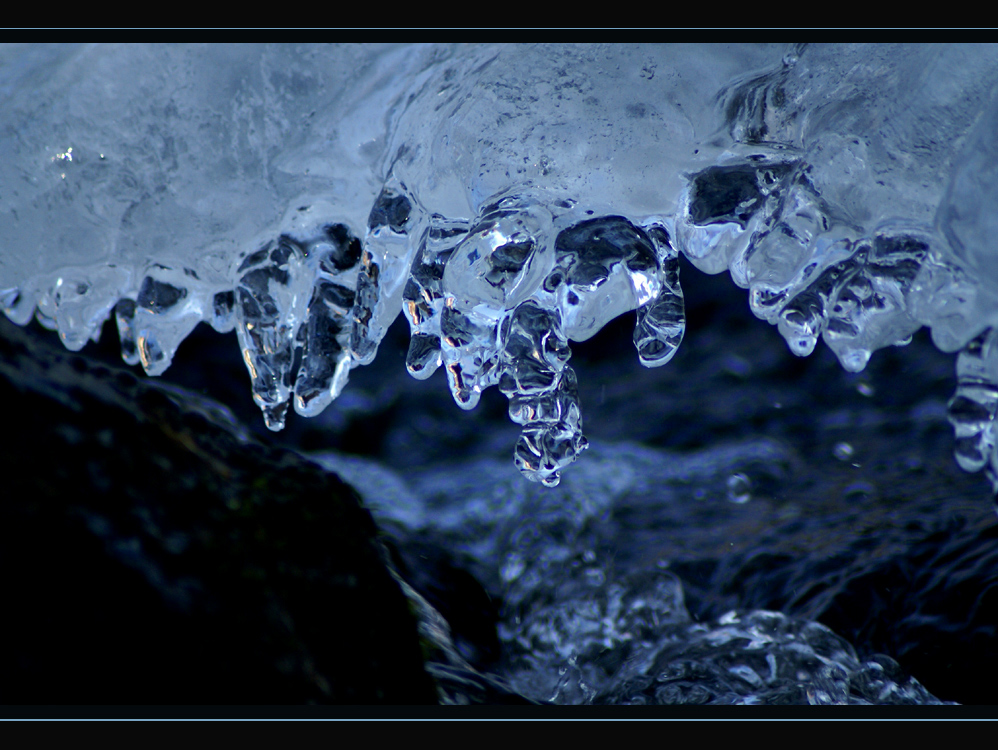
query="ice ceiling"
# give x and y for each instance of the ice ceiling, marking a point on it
(507, 199)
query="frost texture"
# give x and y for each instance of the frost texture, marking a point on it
(508, 199)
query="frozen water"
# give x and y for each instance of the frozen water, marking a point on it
(509, 199)
(972, 409)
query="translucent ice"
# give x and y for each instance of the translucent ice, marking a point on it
(973, 408)
(508, 199)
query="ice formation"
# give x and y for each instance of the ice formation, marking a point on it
(508, 199)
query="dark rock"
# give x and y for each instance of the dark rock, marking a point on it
(150, 555)
(470, 611)
(935, 606)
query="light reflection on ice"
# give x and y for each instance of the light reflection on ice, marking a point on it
(523, 196)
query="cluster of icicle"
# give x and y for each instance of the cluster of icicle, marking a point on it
(525, 196)
(496, 301)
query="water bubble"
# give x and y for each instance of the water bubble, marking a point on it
(595, 576)
(843, 451)
(739, 489)
(859, 491)
(513, 568)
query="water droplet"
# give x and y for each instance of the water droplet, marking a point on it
(859, 491)
(739, 489)
(513, 568)
(595, 577)
(843, 451)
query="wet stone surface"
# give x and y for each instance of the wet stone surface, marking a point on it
(155, 555)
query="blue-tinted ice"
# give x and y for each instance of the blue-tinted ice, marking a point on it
(508, 199)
